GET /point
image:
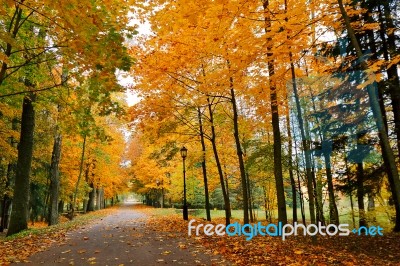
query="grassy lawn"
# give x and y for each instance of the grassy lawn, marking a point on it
(381, 217)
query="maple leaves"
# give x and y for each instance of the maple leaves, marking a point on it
(39, 238)
(298, 250)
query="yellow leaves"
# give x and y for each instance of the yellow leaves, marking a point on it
(395, 61)
(298, 252)
(371, 78)
(92, 260)
(8, 38)
(371, 26)
(166, 252)
(4, 58)
(182, 246)
(373, 73)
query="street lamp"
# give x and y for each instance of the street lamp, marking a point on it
(185, 208)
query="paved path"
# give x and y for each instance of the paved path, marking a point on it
(122, 239)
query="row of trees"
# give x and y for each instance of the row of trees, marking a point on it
(58, 63)
(279, 102)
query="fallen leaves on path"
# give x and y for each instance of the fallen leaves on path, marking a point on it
(299, 250)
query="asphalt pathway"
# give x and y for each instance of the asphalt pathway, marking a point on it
(123, 239)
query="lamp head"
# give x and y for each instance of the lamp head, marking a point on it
(183, 152)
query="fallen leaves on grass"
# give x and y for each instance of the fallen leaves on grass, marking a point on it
(19, 247)
(296, 250)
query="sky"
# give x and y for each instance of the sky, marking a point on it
(126, 80)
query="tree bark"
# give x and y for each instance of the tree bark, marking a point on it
(239, 153)
(280, 190)
(6, 202)
(350, 187)
(393, 76)
(306, 149)
(333, 210)
(98, 199)
(219, 167)
(10, 175)
(303, 217)
(203, 166)
(61, 206)
(55, 179)
(327, 150)
(20, 210)
(91, 200)
(291, 176)
(360, 195)
(73, 203)
(251, 211)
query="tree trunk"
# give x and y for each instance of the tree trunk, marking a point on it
(98, 199)
(239, 153)
(87, 172)
(319, 200)
(7, 200)
(306, 149)
(327, 150)
(280, 189)
(393, 76)
(61, 206)
(360, 194)
(220, 173)
(291, 176)
(350, 188)
(91, 201)
(333, 210)
(20, 210)
(371, 202)
(303, 217)
(251, 211)
(5, 208)
(55, 179)
(103, 200)
(73, 203)
(265, 203)
(203, 166)
(374, 103)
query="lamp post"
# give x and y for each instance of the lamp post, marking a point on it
(185, 208)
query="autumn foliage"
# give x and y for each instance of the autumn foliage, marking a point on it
(287, 108)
